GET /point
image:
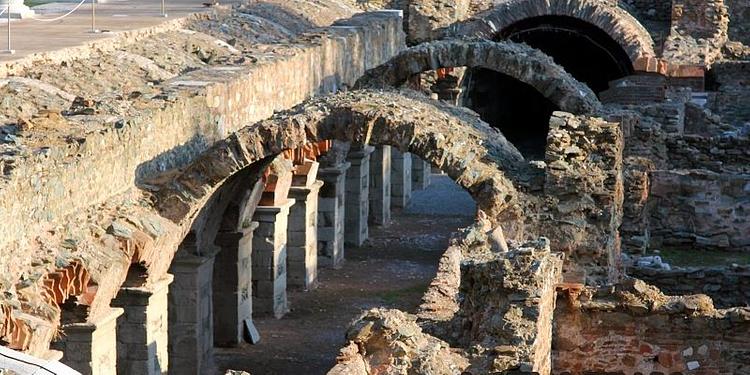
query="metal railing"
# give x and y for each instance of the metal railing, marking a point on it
(7, 11)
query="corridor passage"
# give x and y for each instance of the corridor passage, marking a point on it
(392, 269)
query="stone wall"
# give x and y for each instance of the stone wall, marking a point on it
(653, 10)
(424, 16)
(637, 330)
(699, 32)
(699, 209)
(727, 286)
(739, 20)
(729, 154)
(585, 188)
(506, 307)
(204, 106)
(732, 97)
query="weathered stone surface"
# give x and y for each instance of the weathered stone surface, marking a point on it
(391, 342)
(584, 188)
(699, 32)
(519, 61)
(633, 328)
(467, 149)
(507, 302)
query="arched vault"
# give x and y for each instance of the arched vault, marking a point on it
(621, 26)
(517, 61)
(475, 155)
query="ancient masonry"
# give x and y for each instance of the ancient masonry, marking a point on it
(162, 188)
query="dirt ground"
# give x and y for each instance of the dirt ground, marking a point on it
(392, 269)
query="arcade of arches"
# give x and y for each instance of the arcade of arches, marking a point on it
(451, 187)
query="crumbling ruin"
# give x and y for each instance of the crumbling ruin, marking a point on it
(161, 189)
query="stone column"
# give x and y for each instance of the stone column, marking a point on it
(142, 331)
(191, 334)
(91, 347)
(331, 215)
(302, 248)
(380, 186)
(17, 9)
(400, 178)
(269, 259)
(232, 286)
(357, 196)
(421, 172)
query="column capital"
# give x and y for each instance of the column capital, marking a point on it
(93, 322)
(301, 192)
(264, 210)
(149, 289)
(334, 170)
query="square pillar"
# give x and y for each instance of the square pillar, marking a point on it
(421, 172)
(357, 204)
(302, 246)
(269, 259)
(331, 204)
(232, 286)
(380, 186)
(400, 178)
(91, 348)
(142, 331)
(190, 313)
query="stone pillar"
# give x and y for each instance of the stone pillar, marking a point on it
(421, 172)
(142, 331)
(91, 348)
(191, 334)
(233, 286)
(331, 215)
(302, 248)
(400, 178)
(357, 196)
(380, 186)
(269, 259)
(17, 9)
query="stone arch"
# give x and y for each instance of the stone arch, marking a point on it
(518, 61)
(620, 25)
(476, 156)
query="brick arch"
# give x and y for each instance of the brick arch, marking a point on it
(620, 25)
(518, 61)
(476, 156)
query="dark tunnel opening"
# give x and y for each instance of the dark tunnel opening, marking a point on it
(518, 110)
(587, 52)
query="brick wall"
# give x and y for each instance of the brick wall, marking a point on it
(643, 332)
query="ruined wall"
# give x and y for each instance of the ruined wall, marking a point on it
(637, 330)
(193, 111)
(584, 183)
(739, 20)
(727, 286)
(652, 10)
(506, 308)
(730, 154)
(424, 16)
(699, 32)
(732, 96)
(699, 209)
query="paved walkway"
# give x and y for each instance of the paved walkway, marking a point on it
(392, 269)
(30, 36)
